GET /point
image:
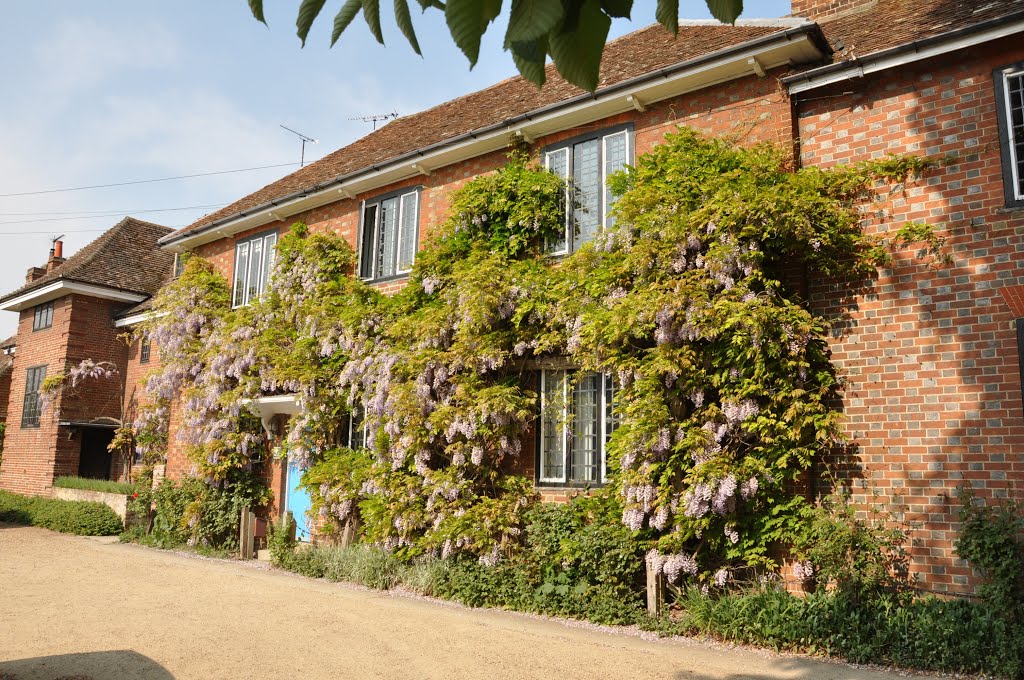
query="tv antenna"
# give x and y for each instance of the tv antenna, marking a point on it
(377, 117)
(304, 138)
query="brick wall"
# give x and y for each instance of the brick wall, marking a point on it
(5, 391)
(933, 396)
(30, 453)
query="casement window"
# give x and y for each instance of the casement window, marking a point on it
(42, 316)
(32, 406)
(1010, 109)
(586, 163)
(179, 264)
(389, 235)
(576, 422)
(254, 258)
(144, 348)
(354, 429)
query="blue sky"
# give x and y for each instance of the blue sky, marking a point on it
(121, 90)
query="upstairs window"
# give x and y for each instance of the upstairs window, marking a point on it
(389, 235)
(32, 407)
(576, 423)
(1010, 108)
(144, 348)
(42, 316)
(179, 264)
(254, 258)
(353, 430)
(586, 163)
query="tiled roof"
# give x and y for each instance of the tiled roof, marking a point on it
(6, 360)
(125, 257)
(885, 24)
(633, 55)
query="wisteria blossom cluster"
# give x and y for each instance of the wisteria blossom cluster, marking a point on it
(414, 408)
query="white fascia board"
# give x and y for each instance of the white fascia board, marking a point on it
(796, 49)
(866, 65)
(61, 288)
(136, 319)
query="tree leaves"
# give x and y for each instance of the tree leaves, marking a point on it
(467, 22)
(572, 32)
(308, 12)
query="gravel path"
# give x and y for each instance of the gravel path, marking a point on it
(92, 609)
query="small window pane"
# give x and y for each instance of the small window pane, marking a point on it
(407, 239)
(144, 349)
(558, 162)
(587, 183)
(586, 415)
(241, 269)
(255, 270)
(614, 160)
(552, 464)
(387, 249)
(1014, 84)
(356, 429)
(269, 244)
(368, 248)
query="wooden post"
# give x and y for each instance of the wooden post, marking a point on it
(246, 538)
(655, 591)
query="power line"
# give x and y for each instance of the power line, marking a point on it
(144, 181)
(117, 211)
(110, 214)
(75, 231)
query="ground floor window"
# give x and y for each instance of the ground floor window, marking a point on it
(576, 422)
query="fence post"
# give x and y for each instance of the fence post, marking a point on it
(246, 539)
(655, 590)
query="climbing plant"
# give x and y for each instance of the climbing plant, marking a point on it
(724, 387)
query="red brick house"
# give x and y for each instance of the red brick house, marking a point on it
(7, 348)
(931, 358)
(70, 310)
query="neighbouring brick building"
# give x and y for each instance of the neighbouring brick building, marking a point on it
(931, 357)
(7, 348)
(71, 310)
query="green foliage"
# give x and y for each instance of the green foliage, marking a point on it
(577, 560)
(862, 554)
(281, 541)
(573, 33)
(86, 484)
(955, 636)
(192, 512)
(992, 539)
(69, 517)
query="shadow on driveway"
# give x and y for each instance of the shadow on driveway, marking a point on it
(117, 664)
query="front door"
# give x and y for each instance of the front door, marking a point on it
(94, 459)
(297, 502)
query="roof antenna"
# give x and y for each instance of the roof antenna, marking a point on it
(304, 138)
(377, 117)
(54, 240)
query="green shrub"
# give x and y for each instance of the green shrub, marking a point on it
(281, 540)
(87, 484)
(955, 636)
(70, 517)
(578, 560)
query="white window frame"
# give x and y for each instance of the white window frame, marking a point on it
(606, 426)
(566, 147)
(401, 195)
(268, 243)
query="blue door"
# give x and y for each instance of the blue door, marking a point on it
(297, 502)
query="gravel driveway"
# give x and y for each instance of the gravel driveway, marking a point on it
(92, 609)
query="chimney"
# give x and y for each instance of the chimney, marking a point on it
(56, 255)
(818, 10)
(34, 273)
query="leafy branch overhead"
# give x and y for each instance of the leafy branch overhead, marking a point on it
(571, 32)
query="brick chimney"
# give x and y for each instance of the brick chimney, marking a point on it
(34, 273)
(817, 10)
(56, 255)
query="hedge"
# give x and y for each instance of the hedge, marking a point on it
(69, 517)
